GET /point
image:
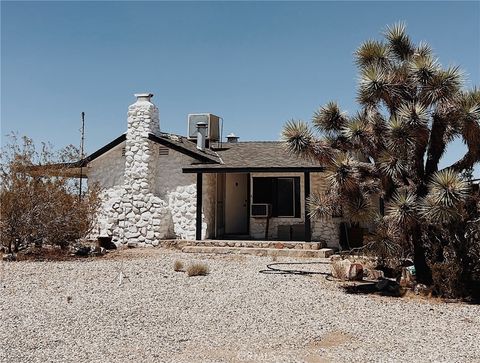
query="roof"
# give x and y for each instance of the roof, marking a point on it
(175, 142)
(255, 156)
(185, 146)
(247, 156)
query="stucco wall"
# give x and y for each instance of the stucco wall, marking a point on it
(108, 169)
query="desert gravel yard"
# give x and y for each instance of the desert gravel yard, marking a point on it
(75, 311)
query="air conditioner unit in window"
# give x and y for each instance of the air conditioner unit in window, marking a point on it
(261, 210)
(213, 125)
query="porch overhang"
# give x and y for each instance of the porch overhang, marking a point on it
(219, 169)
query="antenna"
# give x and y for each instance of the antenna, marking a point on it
(82, 140)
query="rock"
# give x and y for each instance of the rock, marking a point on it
(421, 289)
(346, 270)
(374, 274)
(407, 279)
(132, 244)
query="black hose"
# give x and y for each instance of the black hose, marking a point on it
(277, 271)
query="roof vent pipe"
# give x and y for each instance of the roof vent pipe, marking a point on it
(231, 137)
(201, 135)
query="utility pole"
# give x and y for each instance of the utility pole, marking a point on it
(82, 139)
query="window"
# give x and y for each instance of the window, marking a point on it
(282, 193)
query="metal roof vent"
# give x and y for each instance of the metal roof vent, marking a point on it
(231, 137)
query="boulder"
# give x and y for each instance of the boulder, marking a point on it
(347, 270)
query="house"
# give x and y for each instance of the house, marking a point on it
(160, 186)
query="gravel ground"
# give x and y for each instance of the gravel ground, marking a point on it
(75, 311)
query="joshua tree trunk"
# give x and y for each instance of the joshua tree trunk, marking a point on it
(423, 271)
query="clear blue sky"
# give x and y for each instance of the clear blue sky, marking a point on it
(255, 64)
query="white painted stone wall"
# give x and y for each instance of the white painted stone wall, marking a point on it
(179, 190)
(146, 197)
(322, 230)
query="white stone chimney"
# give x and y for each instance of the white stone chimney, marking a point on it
(142, 120)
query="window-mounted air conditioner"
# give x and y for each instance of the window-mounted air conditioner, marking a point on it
(261, 210)
(213, 125)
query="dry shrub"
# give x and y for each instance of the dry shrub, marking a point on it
(178, 266)
(447, 280)
(39, 203)
(197, 269)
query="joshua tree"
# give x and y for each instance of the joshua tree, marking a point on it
(411, 108)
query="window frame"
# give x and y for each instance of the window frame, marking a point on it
(275, 197)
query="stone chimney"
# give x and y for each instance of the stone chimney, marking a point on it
(142, 120)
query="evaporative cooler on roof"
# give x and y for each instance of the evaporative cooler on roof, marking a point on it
(213, 125)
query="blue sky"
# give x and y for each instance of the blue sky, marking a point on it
(256, 64)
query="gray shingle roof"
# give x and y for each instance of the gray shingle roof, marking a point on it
(182, 144)
(256, 154)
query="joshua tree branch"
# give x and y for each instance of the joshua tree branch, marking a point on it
(436, 145)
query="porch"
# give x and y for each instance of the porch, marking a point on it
(238, 197)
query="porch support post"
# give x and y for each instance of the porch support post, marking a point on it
(308, 227)
(199, 207)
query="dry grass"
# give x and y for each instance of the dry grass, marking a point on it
(197, 269)
(178, 266)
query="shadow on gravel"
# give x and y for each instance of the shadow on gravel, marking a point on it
(381, 288)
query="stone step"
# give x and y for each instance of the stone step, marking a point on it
(259, 244)
(287, 252)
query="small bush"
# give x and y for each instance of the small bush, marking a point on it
(197, 269)
(447, 280)
(178, 266)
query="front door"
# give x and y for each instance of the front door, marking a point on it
(236, 204)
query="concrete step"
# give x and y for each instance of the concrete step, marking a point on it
(288, 252)
(259, 244)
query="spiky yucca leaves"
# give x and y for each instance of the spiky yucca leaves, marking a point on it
(374, 84)
(392, 164)
(301, 142)
(329, 118)
(443, 86)
(323, 205)
(414, 114)
(358, 132)
(469, 116)
(298, 137)
(386, 240)
(399, 41)
(343, 174)
(447, 188)
(403, 208)
(359, 208)
(400, 136)
(372, 52)
(447, 193)
(423, 68)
